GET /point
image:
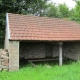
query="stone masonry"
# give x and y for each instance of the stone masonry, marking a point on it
(32, 50)
(13, 55)
(71, 50)
(38, 50)
(4, 60)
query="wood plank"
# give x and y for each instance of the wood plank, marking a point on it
(45, 59)
(60, 54)
(31, 63)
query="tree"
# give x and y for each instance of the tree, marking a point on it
(58, 11)
(71, 14)
(77, 11)
(52, 10)
(35, 7)
(63, 10)
(38, 7)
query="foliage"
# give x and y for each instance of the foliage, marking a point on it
(35, 7)
(77, 11)
(52, 10)
(45, 72)
(71, 14)
(63, 10)
(38, 8)
(60, 11)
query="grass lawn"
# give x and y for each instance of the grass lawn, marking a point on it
(44, 72)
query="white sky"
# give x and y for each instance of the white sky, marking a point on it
(69, 3)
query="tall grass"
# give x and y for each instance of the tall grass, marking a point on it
(44, 72)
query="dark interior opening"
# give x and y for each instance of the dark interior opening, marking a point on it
(44, 50)
(48, 50)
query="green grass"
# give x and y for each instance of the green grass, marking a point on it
(44, 72)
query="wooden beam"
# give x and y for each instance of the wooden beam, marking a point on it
(35, 60)
(60, 53)
(31, 63)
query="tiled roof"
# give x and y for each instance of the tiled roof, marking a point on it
(23, 27)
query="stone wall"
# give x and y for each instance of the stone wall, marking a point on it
(55, 50)
(4, 60)
(40, 50)
(32, 50)
(71, 50)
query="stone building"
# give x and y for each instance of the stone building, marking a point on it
(33, 37)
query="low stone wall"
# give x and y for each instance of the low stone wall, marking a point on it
(4, 60)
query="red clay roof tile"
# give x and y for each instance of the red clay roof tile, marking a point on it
(23, 27)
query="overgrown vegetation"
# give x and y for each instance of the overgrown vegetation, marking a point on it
(45, 72)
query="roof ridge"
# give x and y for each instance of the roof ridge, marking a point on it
(45, 17)
(38, 16)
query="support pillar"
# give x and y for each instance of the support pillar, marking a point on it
(13, 55)
(60, 53)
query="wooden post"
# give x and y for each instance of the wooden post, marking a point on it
(60, 53)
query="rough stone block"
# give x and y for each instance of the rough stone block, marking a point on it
(5, 63)
(4, 57)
